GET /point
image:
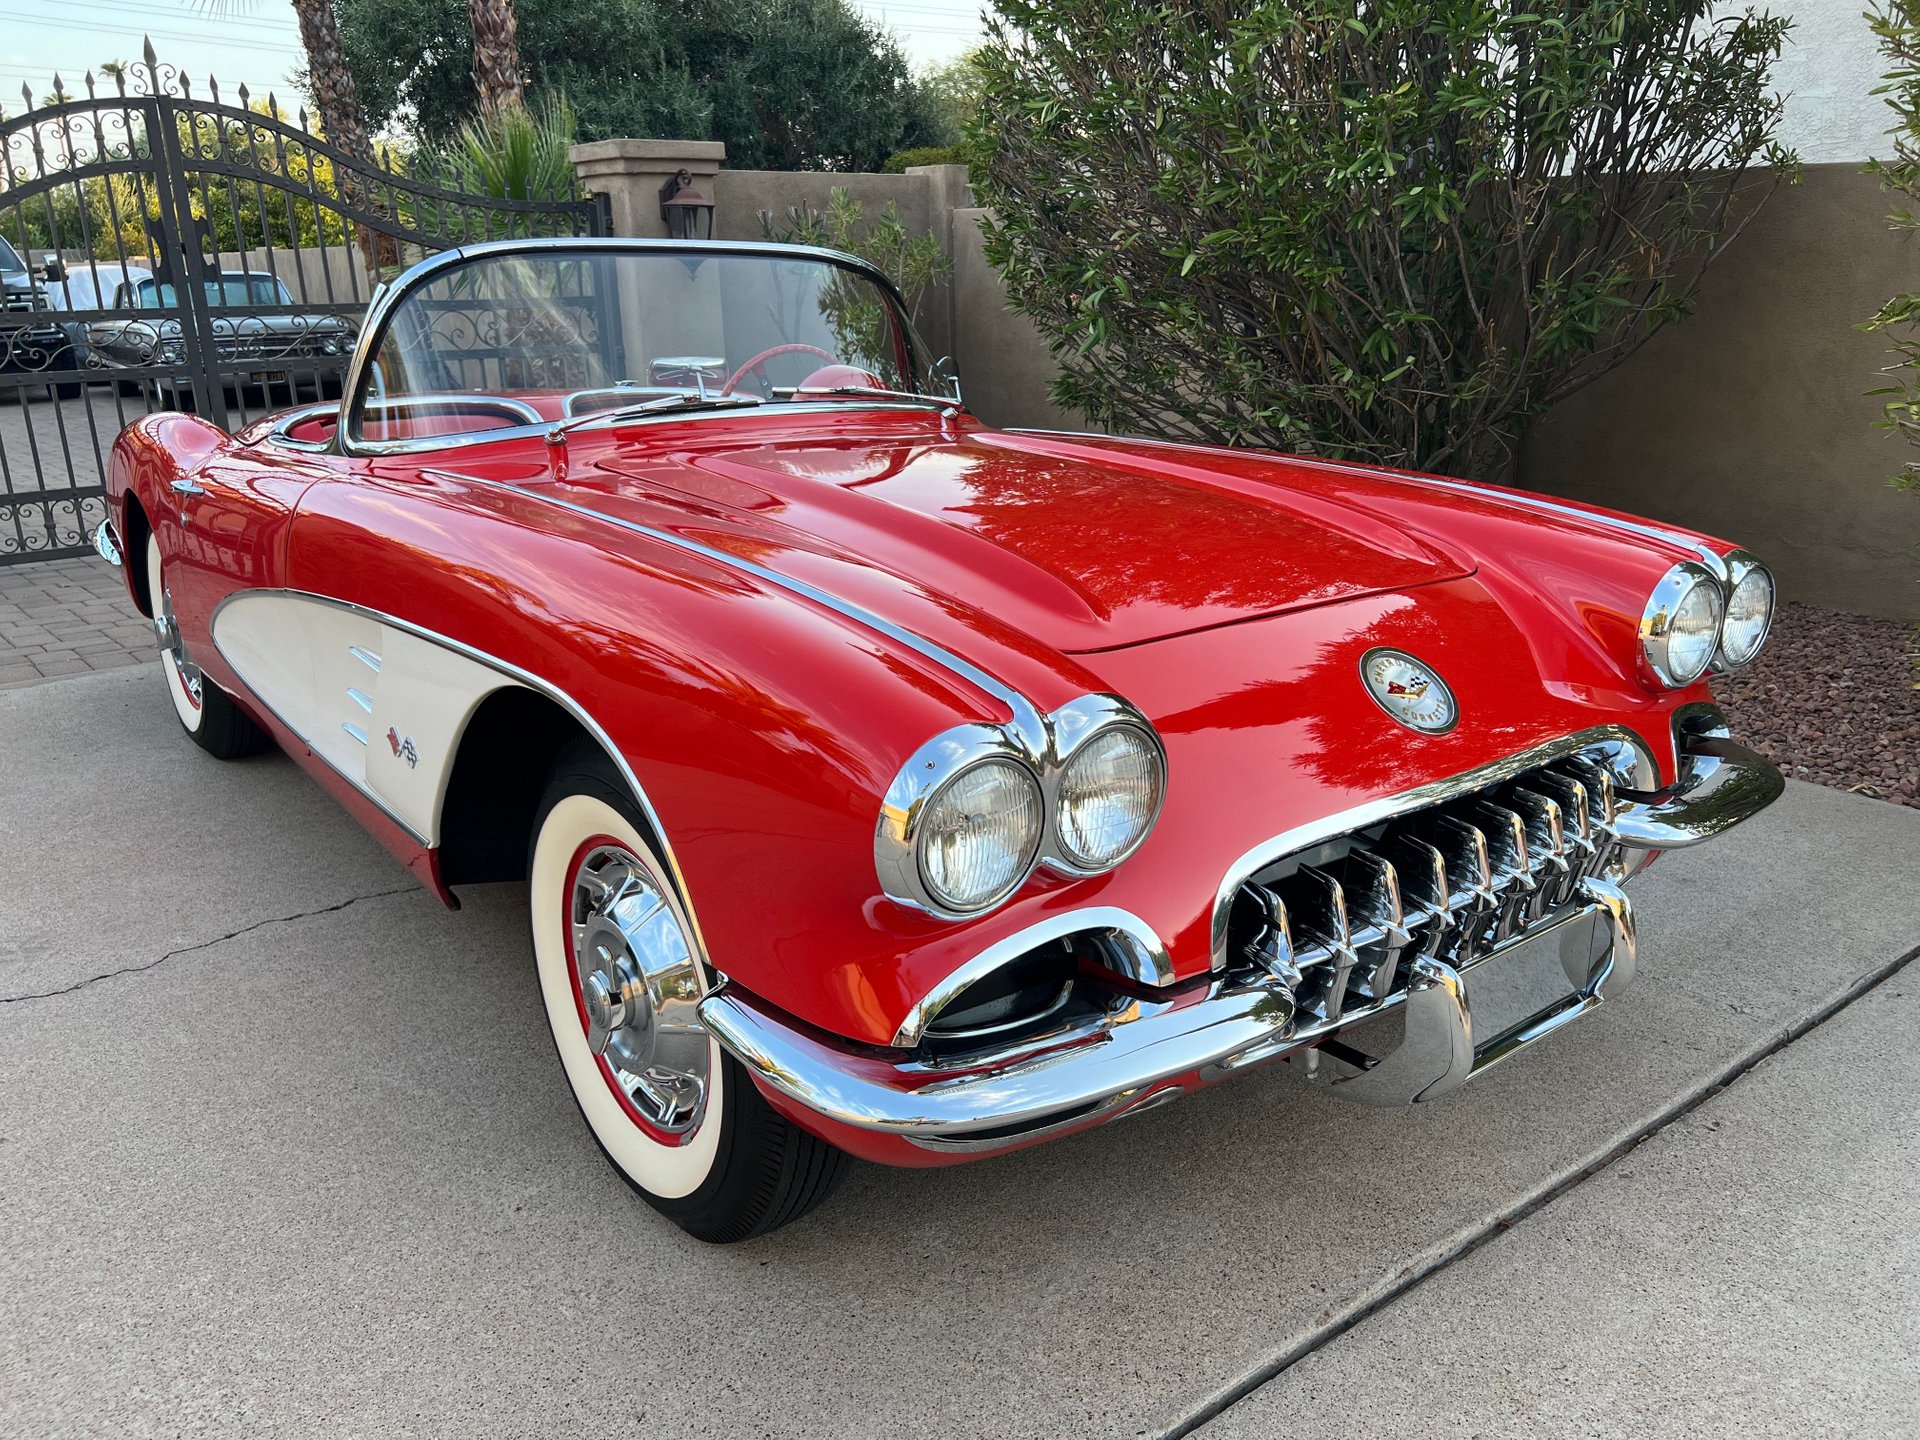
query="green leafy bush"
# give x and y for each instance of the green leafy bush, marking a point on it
(914, 263)
(1382, 229)
(900, 160)
(1898, 29)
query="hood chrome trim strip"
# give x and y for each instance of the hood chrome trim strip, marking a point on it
(1714, 560)
(1026, 715)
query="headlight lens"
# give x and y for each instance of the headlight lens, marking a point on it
(1749, 614)
(1680, 628)
(1109, 795)
(979, 834)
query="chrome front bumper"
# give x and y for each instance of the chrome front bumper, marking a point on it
(1149, 1049)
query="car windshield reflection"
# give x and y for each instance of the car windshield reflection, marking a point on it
(570, 336)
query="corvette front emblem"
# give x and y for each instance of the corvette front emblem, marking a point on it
(1409, 691)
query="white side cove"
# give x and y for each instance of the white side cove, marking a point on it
(382, 706)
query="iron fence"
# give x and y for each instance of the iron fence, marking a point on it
(166, 249)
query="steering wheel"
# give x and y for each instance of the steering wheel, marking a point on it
(760, 360)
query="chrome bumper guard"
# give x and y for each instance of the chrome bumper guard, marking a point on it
(1148, 1049)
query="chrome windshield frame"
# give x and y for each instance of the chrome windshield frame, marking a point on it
(388, 299)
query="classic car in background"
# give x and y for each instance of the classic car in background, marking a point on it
(32, 342)
(891, 786)
(281, 347)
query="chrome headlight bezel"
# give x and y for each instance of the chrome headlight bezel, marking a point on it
(1656, 622)
(1740, 564)
(935, 766)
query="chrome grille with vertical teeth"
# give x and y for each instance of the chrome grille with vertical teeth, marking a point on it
(1341, 924)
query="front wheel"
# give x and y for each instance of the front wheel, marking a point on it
(622, 981)
(207, 713)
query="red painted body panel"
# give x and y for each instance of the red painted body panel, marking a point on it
(1228, 595)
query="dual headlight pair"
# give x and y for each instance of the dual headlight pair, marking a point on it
(1694, 619)
(977, 808)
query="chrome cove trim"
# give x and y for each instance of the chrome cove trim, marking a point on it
(391, 293)
(1148, 962)
(1026, 715)
(1656, 622)
(1373, 812)
(516, 675)
(1708, 555)
(104, 545)
(1044, 749)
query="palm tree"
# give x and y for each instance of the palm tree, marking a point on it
(496, 55)
(334, 94)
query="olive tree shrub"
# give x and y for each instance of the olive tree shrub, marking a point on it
(1897, 26)
(1388, 230)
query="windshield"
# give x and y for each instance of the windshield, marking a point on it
(227, 290)
(524, 337)
(9, 260)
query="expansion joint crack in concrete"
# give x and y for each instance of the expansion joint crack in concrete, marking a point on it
(202, 945)
(1408, 1279)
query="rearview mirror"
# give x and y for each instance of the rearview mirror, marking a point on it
(52, 268)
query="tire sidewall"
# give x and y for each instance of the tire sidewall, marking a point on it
(578, 807)
(192, 716)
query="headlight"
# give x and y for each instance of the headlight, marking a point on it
(1680, 628)
(1109, 794)
(169, 352)
(978, 835)
(1749, 611)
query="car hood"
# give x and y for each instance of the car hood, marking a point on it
(1079, 550)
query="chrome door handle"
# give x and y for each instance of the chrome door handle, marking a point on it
(187, 487)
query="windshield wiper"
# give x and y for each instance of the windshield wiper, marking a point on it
(872, 392)
(692, 400)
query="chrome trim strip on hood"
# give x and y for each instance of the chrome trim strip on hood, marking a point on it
(1026, 715)
(1715, 561)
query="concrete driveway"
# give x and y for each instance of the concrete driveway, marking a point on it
(284, 1150)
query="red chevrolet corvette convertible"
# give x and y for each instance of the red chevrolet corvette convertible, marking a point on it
(890, 786)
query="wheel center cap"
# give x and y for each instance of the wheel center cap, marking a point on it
(615, 994)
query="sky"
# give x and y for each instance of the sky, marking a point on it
(258, 44)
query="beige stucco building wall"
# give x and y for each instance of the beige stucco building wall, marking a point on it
(1749, 418)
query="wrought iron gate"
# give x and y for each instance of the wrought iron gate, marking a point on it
(160, 249)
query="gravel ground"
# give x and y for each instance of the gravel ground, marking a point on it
(1832, 699)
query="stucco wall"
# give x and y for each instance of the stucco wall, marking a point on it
(1004, 365)
(1827, 74)
(1748, 419)
(741, 195)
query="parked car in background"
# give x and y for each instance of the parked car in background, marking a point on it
(278, 346)
(892, 786)
(31, 342)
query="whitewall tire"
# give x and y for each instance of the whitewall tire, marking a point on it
(206, 712)
(621, 977)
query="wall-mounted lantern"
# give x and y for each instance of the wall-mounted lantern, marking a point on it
(688, 213)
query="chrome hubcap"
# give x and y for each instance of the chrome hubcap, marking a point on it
(172, 646)
(640, 988)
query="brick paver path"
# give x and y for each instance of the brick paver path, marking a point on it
(66, 617)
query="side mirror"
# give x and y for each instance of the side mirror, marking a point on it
(53, 269)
